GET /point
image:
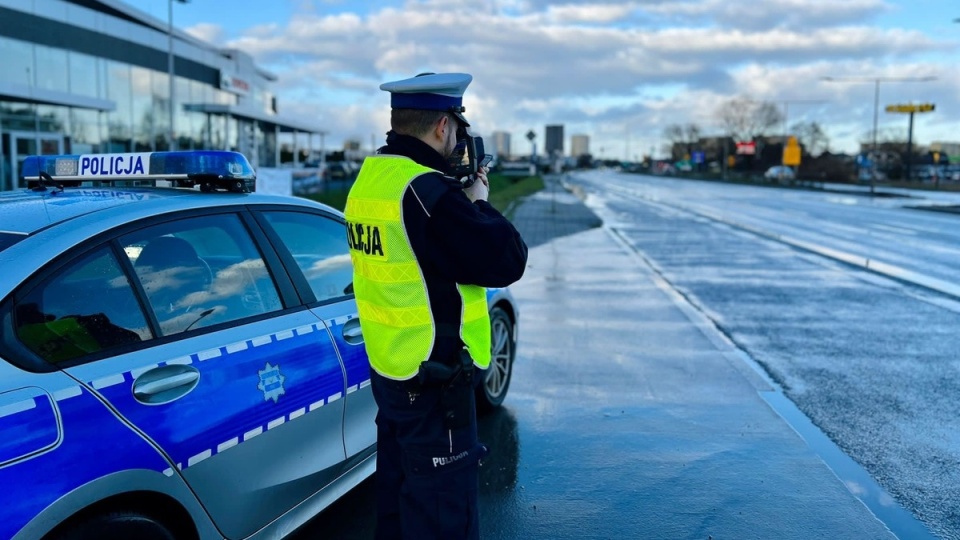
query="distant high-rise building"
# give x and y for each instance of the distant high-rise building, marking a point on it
(579, 145)
(554, 140)
(501, 144)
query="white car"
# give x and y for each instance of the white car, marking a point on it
(780, 173)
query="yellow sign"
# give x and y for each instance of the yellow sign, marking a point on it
(791, 153)
(911, 108)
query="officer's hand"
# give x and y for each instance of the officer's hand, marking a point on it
(481, 188)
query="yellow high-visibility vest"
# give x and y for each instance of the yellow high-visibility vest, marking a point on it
(398, 326)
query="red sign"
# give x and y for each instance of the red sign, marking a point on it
(746, 148)
(234, 84)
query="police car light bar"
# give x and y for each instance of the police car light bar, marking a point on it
(209, 169)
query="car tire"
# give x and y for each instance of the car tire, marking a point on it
(118, 525)
(496, 378)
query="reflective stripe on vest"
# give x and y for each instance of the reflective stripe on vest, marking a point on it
(392, 300)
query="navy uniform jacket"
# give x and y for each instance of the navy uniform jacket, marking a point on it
(454, 240)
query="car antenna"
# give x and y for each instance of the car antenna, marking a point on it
(44, 180)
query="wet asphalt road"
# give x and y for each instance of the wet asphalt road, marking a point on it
(626, 421)
(872, 361)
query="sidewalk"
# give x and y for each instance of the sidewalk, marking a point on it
(551, 213)
(638, 420)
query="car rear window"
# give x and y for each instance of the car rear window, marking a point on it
(9, 239)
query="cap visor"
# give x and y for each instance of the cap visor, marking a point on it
(461, 118)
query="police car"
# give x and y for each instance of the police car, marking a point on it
(182, 361)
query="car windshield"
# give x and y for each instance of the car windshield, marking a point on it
(8, 239)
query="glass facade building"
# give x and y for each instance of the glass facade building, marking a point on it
(92, 76)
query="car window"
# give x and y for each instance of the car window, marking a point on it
(88, 307)
(201, 271)
(318, 245)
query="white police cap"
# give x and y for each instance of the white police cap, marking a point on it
(431, 92)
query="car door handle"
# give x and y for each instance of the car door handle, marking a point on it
(165, 384)
(352, 333)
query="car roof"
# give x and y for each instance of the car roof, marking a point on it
(58, 187)
(28, 211)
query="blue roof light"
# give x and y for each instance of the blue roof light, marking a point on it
(209, 169)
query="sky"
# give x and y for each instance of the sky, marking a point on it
(619, 72)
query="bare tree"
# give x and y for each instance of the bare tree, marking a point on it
(745, 119)
(673, 133)
(812, 137)
(682, 138)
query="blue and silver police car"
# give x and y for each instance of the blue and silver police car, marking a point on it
(182, 361)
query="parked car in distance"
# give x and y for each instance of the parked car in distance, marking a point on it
(780, 173)
(338, 170)
(181, 361)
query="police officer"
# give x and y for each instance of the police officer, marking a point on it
(424, 248)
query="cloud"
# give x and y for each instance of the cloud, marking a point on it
(591, 13)
(795, 14)
(209, 32)
(591, 64)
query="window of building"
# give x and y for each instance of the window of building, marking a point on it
(160, 102)
(183, 126)
(144, 120)
(17, 61)
(52, 119)
(83, 74)
(119, 89)
(318, 244)
(52, 68)
(84, 131)
(88, 307)
(202, 271)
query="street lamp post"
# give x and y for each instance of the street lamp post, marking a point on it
(876, 107)
(323, 149)
(170, 73)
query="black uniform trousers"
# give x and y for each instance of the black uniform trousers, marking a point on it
(427, 475)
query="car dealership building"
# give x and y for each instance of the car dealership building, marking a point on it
(93, 76)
